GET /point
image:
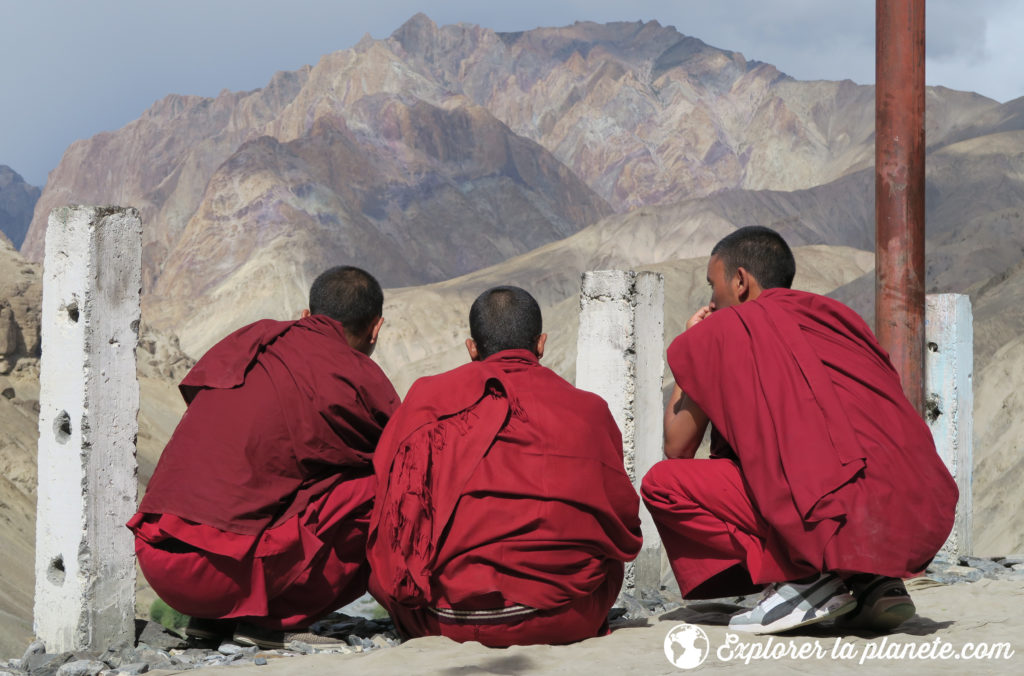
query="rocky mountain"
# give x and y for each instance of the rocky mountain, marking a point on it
(17, 202)
(441, 150)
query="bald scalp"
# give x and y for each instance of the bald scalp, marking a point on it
(348, 295)
(504, 318)
(760, 251)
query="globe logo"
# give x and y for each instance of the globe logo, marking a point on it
(686, 646)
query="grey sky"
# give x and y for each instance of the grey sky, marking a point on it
(72, 69)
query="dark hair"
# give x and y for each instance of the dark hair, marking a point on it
(504, 318)
(348, 295)
(762, 252)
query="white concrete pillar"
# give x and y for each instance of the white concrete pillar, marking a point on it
(949, 402)
(619, 357)
(89, 400)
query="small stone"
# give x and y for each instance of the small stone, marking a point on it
(81, 668)
(121, 653)
(982, 564)
(634, 608)
(955, 574)
(301, 647)
(8, 392)
(133, 669)
(34, 648)
(380, 641)
(1017, 566)
(147, 654)
(155, 635)
(43, 664)
(229, 649)
(260, 661)
(339, 650)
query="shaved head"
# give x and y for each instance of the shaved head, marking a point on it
(760, 251)
(504, 318)
(348, 295)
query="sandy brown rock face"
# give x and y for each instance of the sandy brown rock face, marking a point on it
(646, 115)
(412, 191)
(21, 289)
(161, 162)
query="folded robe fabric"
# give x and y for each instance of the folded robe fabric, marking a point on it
(278, 413)
(500, 480)
(838, 462)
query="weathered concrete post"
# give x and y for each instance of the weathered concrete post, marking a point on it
(619, 357)
(89, 400)
(949, 402)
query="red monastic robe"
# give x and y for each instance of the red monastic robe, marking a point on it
(840, 470)
(500, 485)
(266, 485)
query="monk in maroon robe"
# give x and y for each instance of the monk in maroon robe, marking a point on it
(504, 513)
(823, 481)
(254, 522)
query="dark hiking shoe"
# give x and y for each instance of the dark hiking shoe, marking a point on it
(209, 630)
(883, 603)
(269, 639)
(788, 605)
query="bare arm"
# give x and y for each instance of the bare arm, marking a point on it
(685, 424)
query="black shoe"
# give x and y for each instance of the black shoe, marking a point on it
(210, 630)
(883, 603)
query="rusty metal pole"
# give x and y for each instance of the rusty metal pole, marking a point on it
(899, 189)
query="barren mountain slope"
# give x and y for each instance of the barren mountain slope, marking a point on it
(647, 115)
(452, 190)
(425, 327)
(999, 450)
(161, 162)
(17, 200)
(974, 231)
(395, 152)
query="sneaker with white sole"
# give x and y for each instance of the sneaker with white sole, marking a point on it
(788, 605)
(883, 603)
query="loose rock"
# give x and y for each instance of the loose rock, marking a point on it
(81, 668)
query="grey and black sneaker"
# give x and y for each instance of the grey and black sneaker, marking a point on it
(883, 603)
(268, 639)
(788, 605)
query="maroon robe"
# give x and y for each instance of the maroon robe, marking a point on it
(501, 486)
(840, 469)
(268, 470)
